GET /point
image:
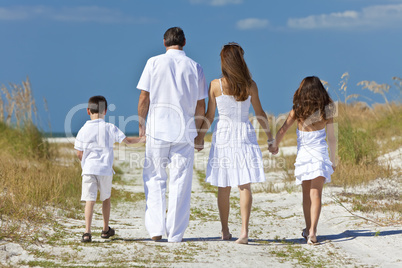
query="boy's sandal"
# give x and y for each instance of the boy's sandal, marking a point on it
(108, 233)
(86, 237)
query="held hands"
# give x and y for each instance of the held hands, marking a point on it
(198, 143)
(273, 149)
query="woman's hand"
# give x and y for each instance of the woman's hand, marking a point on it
(198, 143)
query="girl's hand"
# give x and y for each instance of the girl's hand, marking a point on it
(334, 167)
(273, 149)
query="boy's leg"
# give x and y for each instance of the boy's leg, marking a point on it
(181, 175)
(224, 208)
(105, 192)
(89, 210)
(155, 177)
(89, 193)
(106, 214)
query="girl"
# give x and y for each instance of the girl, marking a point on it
(313, 110)
(235, 157)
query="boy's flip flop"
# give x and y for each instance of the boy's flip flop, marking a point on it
(108, 233)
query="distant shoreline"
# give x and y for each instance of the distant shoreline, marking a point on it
(64, 135)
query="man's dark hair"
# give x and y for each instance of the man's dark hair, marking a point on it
(174, 36)
(97, 104)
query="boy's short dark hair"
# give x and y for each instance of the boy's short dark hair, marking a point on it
(174, 36)
(97, 104)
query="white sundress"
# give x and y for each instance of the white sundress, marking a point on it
(312, 158)
(235, 157)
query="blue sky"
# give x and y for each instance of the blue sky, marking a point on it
(72, 50)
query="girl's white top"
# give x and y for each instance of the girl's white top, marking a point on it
(312, 158)
(235, 157)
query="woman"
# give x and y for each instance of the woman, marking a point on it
(235, 157)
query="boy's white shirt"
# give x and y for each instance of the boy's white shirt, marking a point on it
(95, 139)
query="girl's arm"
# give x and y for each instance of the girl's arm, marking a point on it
(281, 132)
(209, 116)
(259, 112)
(331, 142)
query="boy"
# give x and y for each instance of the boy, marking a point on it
(94, 145)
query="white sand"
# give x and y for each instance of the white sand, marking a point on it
(275, 226)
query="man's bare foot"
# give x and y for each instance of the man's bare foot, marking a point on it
(156, 238)
(242, 240)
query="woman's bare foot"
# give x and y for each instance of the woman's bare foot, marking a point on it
(226, 235)
(242, 240)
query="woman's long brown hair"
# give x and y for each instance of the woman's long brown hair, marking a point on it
(312, 102)
(235, 71)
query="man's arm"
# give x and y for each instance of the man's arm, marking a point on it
(199, 114)
(79, 154)
(143, 107)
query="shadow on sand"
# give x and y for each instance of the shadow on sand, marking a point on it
(341, 237)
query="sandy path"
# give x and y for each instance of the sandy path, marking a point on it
(275, 228)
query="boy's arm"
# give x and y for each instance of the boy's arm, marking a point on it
(79, 154)
(132, 140)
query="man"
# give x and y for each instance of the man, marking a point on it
(173, 92)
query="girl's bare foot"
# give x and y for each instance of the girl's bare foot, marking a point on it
(242, 240)
(226, 235)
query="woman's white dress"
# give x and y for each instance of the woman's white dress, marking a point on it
(235, 157)
(312, 158)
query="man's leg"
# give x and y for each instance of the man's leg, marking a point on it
(181, 175)
(154, 176)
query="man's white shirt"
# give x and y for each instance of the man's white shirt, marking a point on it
(175, 83)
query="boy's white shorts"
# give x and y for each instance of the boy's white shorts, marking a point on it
(92, 183)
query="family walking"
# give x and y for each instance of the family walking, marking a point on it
(172, 98)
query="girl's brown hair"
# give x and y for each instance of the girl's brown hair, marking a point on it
(312, 102)
(235, 71)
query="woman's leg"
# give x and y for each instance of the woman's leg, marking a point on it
(224, 207)
(246, 200)
(315, 210)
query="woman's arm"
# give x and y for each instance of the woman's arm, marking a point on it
(259, 112)
(331, 142)
(281, 132)
(209, 117)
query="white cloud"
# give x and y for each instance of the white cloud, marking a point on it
(216, 2)
(252, 23)
(373, 16)
(68, 14)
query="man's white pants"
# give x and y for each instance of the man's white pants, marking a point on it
(180, 157)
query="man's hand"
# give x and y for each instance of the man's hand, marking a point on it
(198, 143)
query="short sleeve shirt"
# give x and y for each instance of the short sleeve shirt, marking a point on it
(96, 139)
(175, 84)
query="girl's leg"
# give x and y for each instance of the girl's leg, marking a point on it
(89, 210)
(106, 214)
(306, 186)
(315, 196)
(224, 207)
(246, 200)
